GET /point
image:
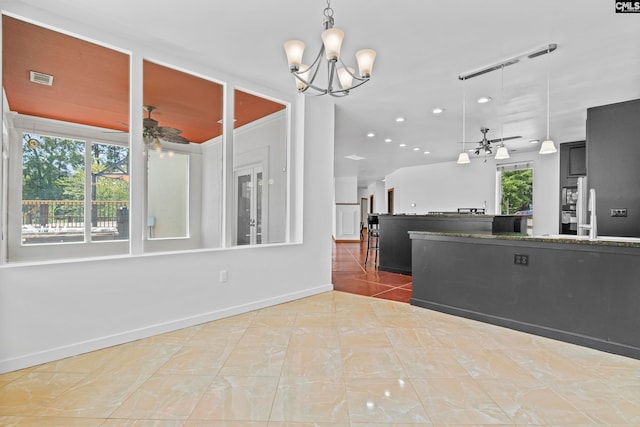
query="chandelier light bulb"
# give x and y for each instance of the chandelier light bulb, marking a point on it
(294, 50)
(304, 74)
(365, 59)
(346, 77)
(332, 40)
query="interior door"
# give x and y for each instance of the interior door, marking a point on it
(249, 205)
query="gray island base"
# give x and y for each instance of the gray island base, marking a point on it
(579, 291)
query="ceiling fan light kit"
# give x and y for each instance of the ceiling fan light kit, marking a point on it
(339, 80)
(153, 133)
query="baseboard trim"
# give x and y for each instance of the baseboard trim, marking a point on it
(57, 353)
(543, 331)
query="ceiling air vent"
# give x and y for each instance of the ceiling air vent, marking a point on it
(41, 78)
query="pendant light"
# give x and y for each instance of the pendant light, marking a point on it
(502, 153)
(548, 147)
(463, 158)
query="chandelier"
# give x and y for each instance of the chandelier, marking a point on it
(339, 81)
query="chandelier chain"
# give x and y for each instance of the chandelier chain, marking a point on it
(328, 11)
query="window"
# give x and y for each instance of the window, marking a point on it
(54, 194)
(515, 195)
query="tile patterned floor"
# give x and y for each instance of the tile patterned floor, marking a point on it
(334, 359)
(350, 274)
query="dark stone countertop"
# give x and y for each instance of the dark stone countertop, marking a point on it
(627, 242)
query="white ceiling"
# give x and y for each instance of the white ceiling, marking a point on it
(422, 45)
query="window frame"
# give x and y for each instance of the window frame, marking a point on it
(16, 251)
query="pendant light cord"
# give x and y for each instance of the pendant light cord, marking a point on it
(464, 112)
(501, 109)
(548, 83)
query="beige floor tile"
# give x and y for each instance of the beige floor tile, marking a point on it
(315, 320)
(50, 422)
(310, 424)
(430, 363)
(309, 400)
(196, 361)
(142, 423)
(492, 364)
(96, 396)
(313, 363)
(605, 403)
(81, 364)
(138, 357)
(277, 336)
(318, 362)
(214, 423)
(12, 376)
(314, 337)
(351, 336)
(267, 319)
(377, 362)
(384, 400)
(164, 397)
(32, 393)
(458, 401)
(212, 337)
(237, 398)
(533, 405)
(549, 366)
(403, 338)
(248, 361)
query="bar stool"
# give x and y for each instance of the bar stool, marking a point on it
(373, 237)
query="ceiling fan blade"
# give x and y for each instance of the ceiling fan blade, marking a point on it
(504, 139)
(176, 139)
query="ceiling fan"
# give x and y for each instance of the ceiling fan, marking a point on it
(153, 133)
(484, 146)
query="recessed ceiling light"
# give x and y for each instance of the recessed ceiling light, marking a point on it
(354, 157)
(416, 149)
(371, 134)
(437, 110)
(403, 145)
(483, 99)
(534, 141)
(427, 152)
(400, 119)
(388, 140)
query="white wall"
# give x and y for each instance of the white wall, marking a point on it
(346, 221)
(449, 186)
(51, 310)
(346, 189)
(379, 192)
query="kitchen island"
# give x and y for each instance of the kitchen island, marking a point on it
(395, 244)
(582, 291)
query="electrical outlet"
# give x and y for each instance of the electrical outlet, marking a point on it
(224, 276)
(521, 259)
(619, 212)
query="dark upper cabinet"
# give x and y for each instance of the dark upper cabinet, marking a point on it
(573, 162)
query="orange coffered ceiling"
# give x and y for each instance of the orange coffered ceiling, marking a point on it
(91, 86)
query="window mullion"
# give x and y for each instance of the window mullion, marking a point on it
(88, 190)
